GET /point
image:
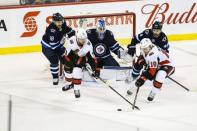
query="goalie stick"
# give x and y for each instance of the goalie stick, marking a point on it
(107, 84)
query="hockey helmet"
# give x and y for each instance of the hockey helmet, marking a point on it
(157, 25)
(101, 25)
(81, 36)
(146, 45)
(101, 28)
(58, 20)
(156, 28)
(57, 17)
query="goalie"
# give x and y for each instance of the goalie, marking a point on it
(79, 51)
(104, 43)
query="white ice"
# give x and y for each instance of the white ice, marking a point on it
(39, 106)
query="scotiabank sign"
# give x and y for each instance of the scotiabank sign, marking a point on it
(3, 25)
(30, 24)
(91, 20)
(162, 13)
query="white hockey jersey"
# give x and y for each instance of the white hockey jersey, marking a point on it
(157, 58)
(81, 51)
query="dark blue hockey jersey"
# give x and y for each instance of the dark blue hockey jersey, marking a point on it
(161, 41)
(103, 47)
(53, 37)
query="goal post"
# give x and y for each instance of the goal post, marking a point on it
(123, 25)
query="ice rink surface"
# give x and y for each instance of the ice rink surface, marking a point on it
(39, 106)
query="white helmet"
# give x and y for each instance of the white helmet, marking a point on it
(81, 36)
(146, 45)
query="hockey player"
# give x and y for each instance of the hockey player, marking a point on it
(79, 51)
(52, 43)
(155, 35)
(104, 43)
(158, 66)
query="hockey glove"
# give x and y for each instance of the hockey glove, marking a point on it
(121, 53)
(68, 62)
(96, 73)
(140, 81)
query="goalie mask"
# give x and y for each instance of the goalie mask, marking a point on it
(101, 28)
(81, 36)
(146, 46)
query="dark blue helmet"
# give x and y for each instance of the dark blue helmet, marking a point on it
(157, 25)
(57, 17)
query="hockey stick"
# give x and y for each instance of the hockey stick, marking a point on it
(136, 94)
(107, 84)
(128, 67)
(178, 83)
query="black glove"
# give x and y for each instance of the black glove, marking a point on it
(140, 81)
(96, 73)
(68, 62)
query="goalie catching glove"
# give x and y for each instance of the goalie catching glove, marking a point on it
(123, 54)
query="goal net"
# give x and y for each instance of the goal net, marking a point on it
(121, 24)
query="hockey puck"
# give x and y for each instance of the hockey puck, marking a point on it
(129, 92)
(119, 109)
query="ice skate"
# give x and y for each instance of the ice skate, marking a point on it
(55, 81)
(77, 93)
(67, 87)
(151, 96)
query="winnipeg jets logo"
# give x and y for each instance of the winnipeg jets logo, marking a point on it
(51, 38)
(100, 49)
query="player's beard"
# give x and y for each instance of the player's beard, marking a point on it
(59, 25)
(156, 35)
(81, 42)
